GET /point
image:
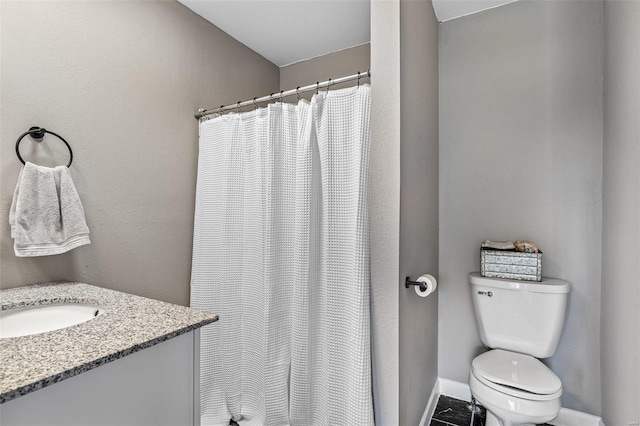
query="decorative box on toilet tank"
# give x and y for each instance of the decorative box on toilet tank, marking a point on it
(513, 265)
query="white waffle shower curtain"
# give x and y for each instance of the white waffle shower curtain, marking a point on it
(281, 253)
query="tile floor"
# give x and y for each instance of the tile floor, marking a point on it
(455, 412)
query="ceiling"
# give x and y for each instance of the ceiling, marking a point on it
(450, 9)
(289, 31)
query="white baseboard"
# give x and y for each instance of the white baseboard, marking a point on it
(458, 390)
(431, 404)
(455, 389)
(569, 417)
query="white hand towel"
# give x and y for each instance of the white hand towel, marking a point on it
(499, 245)
(46, 214)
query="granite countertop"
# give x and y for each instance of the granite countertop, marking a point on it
(129, 324)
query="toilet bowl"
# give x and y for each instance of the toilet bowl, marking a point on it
(515, 389)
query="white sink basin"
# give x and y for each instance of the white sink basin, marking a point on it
(36, 319)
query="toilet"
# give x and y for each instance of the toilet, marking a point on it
(519, 321)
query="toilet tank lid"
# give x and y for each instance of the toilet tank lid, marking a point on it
(547, 285)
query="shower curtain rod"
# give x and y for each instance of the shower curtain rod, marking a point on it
(282, 94)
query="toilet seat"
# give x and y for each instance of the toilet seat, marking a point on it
(518, 375)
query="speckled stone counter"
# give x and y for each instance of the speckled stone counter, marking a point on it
(130, 323)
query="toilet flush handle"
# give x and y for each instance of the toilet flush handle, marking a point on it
(486, 293)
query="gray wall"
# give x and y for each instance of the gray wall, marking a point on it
(404, 211)
(418, 204)
(385, 208)
(119, 80)
(322, 68)
(620, 349)
(521, 158)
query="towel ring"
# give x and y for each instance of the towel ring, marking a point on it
(38, 133)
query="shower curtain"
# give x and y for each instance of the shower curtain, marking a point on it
(281, 253)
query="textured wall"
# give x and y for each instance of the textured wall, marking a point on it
(620, 349)
(521, 158)
(121, 81)
(385, 207)
(418, 204)
(322, 68)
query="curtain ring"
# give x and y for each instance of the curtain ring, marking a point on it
(317, 86)
(328, 85)
(282, 96)
(254, 102)
(221, 110)
(358, 78)
(271, 97)
(298, 92)
(238, 106)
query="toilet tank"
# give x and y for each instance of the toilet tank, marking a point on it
(520, 316)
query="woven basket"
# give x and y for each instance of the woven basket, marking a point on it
(513, 265)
